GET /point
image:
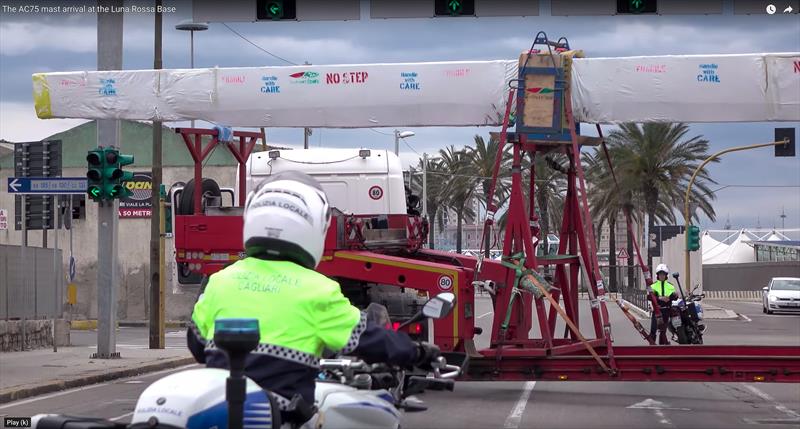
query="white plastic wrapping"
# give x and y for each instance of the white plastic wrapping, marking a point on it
(687, 88)
(783, 85)
(336, 96)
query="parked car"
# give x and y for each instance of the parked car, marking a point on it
(782, 294)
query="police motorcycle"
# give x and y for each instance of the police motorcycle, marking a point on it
(686, 316)
(349, 393)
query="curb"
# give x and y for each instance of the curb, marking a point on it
(57, 385)
(87, 325)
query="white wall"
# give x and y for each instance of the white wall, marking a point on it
(672, 254)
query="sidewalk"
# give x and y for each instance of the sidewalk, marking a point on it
(36, 372)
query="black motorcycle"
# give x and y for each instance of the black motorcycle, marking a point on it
(686, 317)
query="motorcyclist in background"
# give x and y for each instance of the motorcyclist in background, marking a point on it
(300, 311)
(665, 293)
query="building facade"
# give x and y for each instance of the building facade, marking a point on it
(132, 280)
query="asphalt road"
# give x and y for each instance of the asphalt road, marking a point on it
(544, 404)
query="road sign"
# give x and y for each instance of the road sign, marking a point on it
(623, 254)
(3, 220)
(376, 192)
(445, 282)
(46, 185)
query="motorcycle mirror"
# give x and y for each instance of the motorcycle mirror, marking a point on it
(436, 308)
(676, 274)
(439, 306)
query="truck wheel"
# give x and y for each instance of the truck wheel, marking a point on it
(186, 200)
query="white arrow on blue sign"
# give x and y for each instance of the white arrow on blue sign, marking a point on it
(47, 185)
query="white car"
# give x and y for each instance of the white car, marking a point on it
(782, 294)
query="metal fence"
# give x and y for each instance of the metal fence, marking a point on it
(630, 287)
(31, 284)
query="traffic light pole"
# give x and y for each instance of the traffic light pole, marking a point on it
(109, 57)
(686, 199)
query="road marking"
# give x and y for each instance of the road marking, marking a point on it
(134, 382)
(484, 315)
(662, 418)
(778, 406)
(747, 319)
(113, 419)
(52, 395)
(651, 404)
(658, 408)
(515, 418)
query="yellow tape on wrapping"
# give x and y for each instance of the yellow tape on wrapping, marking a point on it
(41, 97)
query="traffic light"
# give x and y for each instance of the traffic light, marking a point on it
(693, 240)
(99, 175)
(276, 10)
(786, 149)
(105, 174)
(454, 8)
(636, 6)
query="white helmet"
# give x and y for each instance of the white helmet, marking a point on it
(662, 268)
(286, 217)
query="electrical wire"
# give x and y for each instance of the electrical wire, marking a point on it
(409, 146)
(379, 132)
(259, 47)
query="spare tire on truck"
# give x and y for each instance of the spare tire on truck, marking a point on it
(186, 200)
(186, 207)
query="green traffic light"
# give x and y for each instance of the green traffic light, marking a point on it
(455, 7)
(94, 192)
(275, 9)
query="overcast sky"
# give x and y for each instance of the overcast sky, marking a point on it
(32, 43)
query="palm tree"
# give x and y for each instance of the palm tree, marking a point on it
(482, 158)
(460, 186)
(437, 189)
(658, 160)
(606, 202)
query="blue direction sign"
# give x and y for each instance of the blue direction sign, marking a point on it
(47, 185)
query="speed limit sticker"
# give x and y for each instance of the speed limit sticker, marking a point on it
(445, 282)
(376, 192)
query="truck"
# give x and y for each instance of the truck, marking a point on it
(364, 186)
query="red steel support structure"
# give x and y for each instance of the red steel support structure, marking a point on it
(514, 356)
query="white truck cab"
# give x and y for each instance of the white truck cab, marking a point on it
(357, 181)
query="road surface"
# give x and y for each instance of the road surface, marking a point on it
(478, 405)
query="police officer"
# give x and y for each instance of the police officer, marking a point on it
(665, 293)
(300, 312)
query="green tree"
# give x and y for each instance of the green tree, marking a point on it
(459, 188)
(482, 158)
(656, 162)
(437, 188)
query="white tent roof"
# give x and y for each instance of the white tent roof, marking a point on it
(777, 236)
(740, 251)
(711, 246)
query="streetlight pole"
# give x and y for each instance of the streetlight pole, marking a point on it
(687, 261)
(400, 135)
(191, 27)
